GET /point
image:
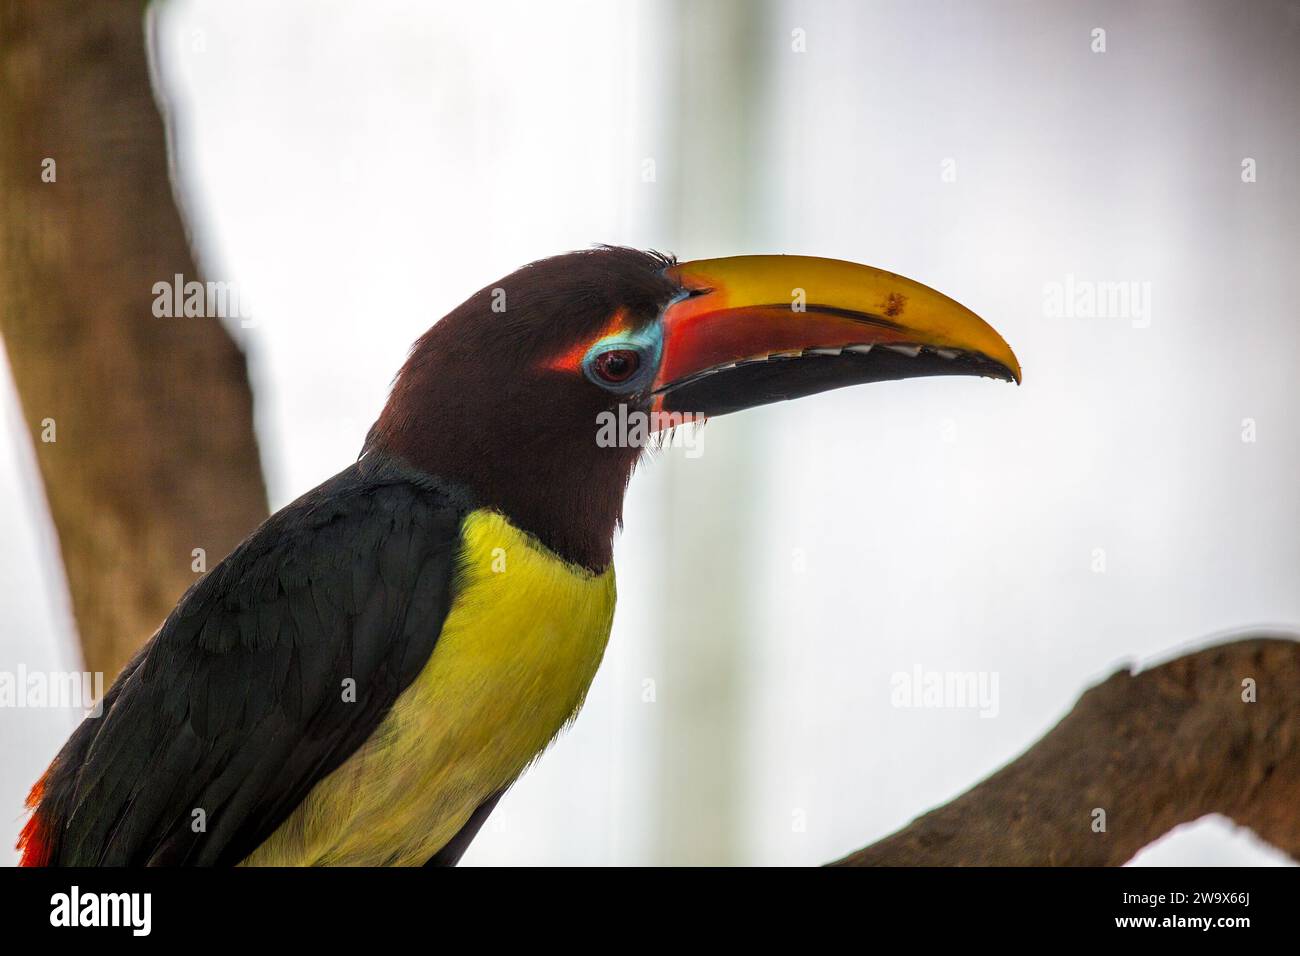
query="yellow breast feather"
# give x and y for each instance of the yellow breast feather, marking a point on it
(518, 650)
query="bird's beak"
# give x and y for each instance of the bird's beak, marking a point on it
(757, 329)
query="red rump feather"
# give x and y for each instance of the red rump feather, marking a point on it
(34, 842)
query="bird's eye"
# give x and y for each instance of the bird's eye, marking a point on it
(624, 363)
(616, 365)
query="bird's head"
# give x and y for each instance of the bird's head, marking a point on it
(513, 392)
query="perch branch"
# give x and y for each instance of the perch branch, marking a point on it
(1152, 749)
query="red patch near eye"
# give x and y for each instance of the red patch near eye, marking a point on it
(570, 360)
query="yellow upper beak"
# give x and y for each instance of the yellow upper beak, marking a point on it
(743, 311)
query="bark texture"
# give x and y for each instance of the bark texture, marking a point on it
(154, 453)
(1154, 749)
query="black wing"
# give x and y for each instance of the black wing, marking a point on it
(236, 706)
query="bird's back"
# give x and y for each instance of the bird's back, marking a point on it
(517, 653)
(375, 663)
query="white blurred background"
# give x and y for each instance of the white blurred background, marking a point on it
(360, 168)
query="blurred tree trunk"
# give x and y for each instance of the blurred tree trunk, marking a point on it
(706, 641)
(153, 454)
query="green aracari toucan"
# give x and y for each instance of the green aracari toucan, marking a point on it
(361, 680)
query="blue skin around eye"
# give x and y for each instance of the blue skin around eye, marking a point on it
(647, 342)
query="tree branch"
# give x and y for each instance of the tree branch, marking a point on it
(1153, 750)
(153, 452)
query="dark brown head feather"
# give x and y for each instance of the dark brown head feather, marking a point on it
(475, 404)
